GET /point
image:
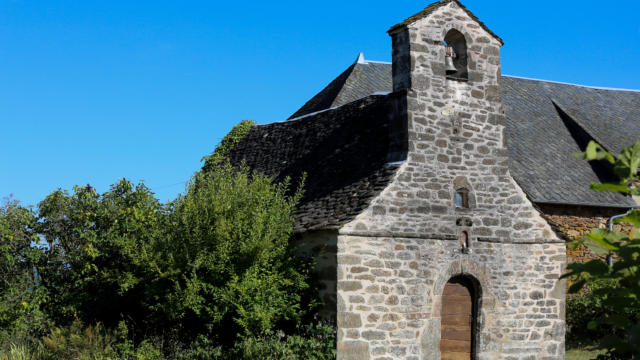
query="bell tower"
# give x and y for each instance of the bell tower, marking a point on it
(444, 41)
(429, 270)
(447, 63)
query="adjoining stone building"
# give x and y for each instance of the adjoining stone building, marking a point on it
(440, 194)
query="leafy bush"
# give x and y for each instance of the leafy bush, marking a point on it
(233, 272)
(81, 342)
(589, 304)
(210, 275)
(313, 343)
(615, 319)
(21, 318)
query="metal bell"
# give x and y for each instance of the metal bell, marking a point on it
(450, 54)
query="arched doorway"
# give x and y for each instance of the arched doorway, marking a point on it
(458, 319)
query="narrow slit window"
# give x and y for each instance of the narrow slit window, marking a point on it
(464, 240)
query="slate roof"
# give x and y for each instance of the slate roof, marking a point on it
(343, 151)
(433, 7)
(546, 123)
(359, 80)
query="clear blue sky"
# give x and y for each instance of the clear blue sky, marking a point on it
(92, 91)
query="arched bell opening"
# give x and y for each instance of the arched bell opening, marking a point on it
(456, 55)
(459, 318)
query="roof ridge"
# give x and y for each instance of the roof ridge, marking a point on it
(377, 62)
(367, 61)
(347, 83)
(566, 83)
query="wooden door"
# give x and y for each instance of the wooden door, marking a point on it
(457, 320)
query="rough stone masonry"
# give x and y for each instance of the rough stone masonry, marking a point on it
(395, 258)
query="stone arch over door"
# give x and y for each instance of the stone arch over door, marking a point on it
(485, 304)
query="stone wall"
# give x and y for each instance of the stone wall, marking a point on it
(389, 297)
(574, 222)
(396, 256)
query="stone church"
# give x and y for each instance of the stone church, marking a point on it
(440, 194)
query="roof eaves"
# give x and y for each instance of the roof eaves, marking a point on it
(575, 203)
(377, 93)
(308, 115)
(433, 7)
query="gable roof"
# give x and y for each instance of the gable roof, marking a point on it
(343, 152)
(560, 117)
(360, 78)
(433, 7)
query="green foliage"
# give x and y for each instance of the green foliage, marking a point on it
(226, 145)
(118, 275)
(591, 303)
(20, 297)
(22, 351)
(625, 166)
(615, 292)
(230, 253)
(99, 263)
(77, 341)
(314, 343)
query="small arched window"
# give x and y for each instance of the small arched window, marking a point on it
(456, 56)
(462, 198)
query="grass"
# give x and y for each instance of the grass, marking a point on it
(582, 353)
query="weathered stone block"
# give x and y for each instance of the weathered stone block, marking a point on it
(353, 350)
(349, 320)
(373, 335)
(349, 285)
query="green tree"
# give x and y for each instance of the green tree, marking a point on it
(622, 300)
(20, 293)
(210, 275)
(99, 261)
(234, 273)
